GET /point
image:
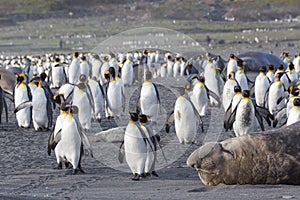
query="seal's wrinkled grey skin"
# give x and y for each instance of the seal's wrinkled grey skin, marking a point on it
(254, 60)
(270, 157)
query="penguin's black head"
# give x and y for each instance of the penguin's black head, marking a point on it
(263, 69)
(57, 99)
(143, 118)
(291, 66)
(81, 86)
(20, 79)
(112, 71)
(134, 116)
(296, 102)
(57, 60)
(74, 110)
(231, 56)
(246, 93)
(271, 67)
(43, 76)
(295, 92)
(82, 78)
(64, 107)
(107, 75)
(237, 89)
(83, 58)
(280, 67)
(202, 79)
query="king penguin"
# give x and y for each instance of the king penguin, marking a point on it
(149, 100)
(275, 91)
(74, 69)
(69, 148)
(135, 146)
(127, 72)
(261, 86)
(294, 112)
(22, 94)
(83, 99)
(228, 90)
(99, 99)
(242, 118)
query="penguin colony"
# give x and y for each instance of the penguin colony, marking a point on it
(88, 87)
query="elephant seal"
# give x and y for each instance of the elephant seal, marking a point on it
(7, 80)
(255, 59)
(270, 157)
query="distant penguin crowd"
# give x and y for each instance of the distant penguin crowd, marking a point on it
(89, 87)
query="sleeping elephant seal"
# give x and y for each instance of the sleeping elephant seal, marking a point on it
(270, 157)
(7, 80)
(255, 59)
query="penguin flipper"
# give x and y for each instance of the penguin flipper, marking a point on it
(282, 96)
(231, 118)
(86, 143)
(259, 119)
(6, 109)
(214, 95)
(281, 114)
(226, 116)
(157, 94)
(265, 114)
(121, 153)
(53, 141)
(23, 105)
(170, 120)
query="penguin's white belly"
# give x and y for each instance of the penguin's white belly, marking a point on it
(200, 99)
(228, 93)
(98, 99)
(274, 93)
(242, 80)
(69, 146)
(261, 88)
(163, 72)
(127, 74)
(24, 115)
(57, 76)
(244, 120)
(39, 109)
(84, 109)
(115, 98)
(74, 72)
(294, 116)
(149, 102)
(185, 121)
(135, 149)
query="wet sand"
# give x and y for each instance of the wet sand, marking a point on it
(27, 171)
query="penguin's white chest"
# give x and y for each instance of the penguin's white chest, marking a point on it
(135, 149)
(199, 98)
(127, 73)
(39, 108)
(294, 115)
(261, 87)
(115, 97)
(149, 101)
(244, 120)
(185, 120)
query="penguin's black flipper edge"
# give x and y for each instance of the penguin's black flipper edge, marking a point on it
(170, 120)
(23, 105)
(259, 119)
(121, 153)
(226, 116)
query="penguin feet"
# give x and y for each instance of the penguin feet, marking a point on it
(68, 165)
(154, 173)
(136, 177)
(147, 175)
(59, 166)
(74, 171)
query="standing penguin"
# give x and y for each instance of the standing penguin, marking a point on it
(41, 103)
(74, 69)
(261, 86)
(270, 74)
(22, 94)
(84, 67)
(83, 99)
(69, 146)
(213, 80)
(242, 118)
(135, 146)
(127, 72)
(149, 100)
(294, 112)
(152, 143)
(115, 98)
(275, 91)
(232, 65)
(185, 117)
(57, 75)
(228, 90)
(242, 79)
(98, 98)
